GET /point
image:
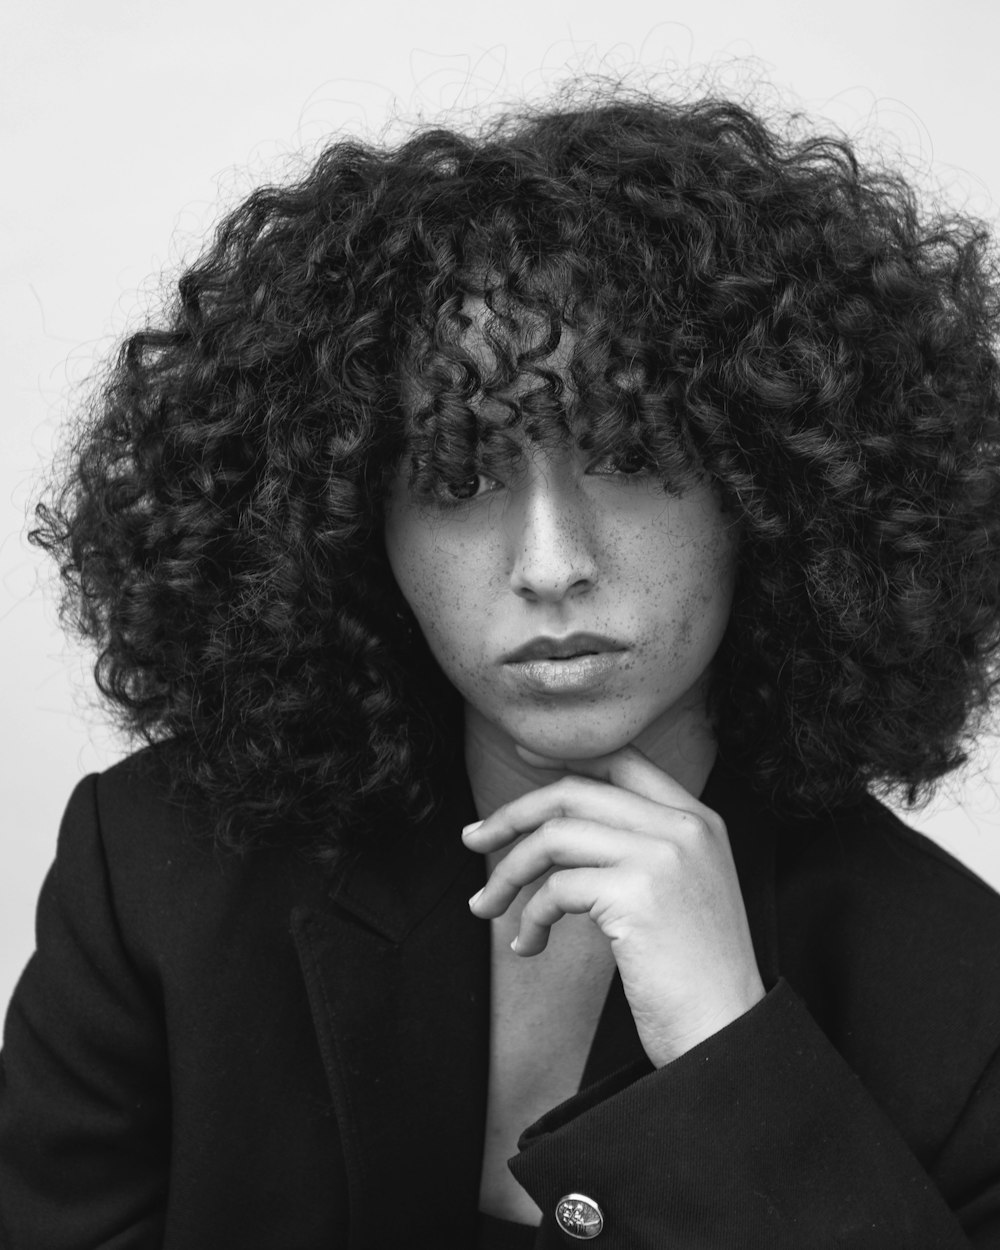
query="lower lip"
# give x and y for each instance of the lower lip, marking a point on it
(576, 675)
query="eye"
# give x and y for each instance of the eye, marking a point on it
(629, 463)
(466, 489)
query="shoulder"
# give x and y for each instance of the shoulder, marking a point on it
(892, 943)
(137, 848)
(129, 821)
(868, 867)
(133, 797)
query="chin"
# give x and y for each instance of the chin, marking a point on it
(574, 742)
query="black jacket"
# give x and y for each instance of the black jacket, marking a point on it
(209, 1051)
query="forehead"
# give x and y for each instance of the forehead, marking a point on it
(492, 377)
(550, 357)
(488, 373)
(489, 351)
(530, 333)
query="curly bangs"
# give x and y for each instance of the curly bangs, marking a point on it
(724, 298)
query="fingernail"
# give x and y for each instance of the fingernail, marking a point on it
(471, 828)
(475, 898)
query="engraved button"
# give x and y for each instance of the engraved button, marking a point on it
(579, 1216)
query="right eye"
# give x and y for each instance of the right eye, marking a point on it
(466, 489)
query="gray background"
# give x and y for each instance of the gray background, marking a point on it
(126, 126)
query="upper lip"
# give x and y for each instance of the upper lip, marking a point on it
(548, 648)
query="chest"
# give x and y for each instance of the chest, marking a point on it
(543, 1013)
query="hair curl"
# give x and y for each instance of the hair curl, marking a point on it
(755, 304)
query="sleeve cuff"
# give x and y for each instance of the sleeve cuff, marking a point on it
(760, 1135)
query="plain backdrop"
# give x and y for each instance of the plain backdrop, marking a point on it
(127, 126)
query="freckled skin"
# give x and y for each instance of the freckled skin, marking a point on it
(560, 546)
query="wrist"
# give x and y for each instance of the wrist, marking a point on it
(666, 1047)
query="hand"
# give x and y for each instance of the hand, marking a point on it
(652, 867)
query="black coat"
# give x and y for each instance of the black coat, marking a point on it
(209, 1051)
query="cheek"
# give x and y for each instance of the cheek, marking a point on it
(715, 575)
(692, 587)
(712, 599)
(712, 576)
(420, 575)
(439, 583)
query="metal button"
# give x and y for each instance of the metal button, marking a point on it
(579, 1216)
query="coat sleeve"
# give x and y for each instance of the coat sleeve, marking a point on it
(762, 1136)
(84, 1098)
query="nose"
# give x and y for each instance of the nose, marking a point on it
(552, 538)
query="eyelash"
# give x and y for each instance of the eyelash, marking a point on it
(629, 464)
(441, 491)
(447, 500)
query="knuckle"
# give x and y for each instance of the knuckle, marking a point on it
(694, 826)
(667, 867)
(539, 908)
(668, 855)
(639, 894)
(551, 830)
(562, 791)
(553, 888)
(697, 828)
(717, 825)
(568, 793)
(508, 871)
(499, 882)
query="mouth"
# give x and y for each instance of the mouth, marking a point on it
(575, 666)
(569, 647)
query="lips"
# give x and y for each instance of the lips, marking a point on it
(565, 648)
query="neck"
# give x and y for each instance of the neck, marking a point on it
(683, 746)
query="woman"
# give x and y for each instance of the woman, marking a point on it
(525, 556)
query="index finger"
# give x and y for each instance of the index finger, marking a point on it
(628, 769)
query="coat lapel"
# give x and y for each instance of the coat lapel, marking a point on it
(751, 828)
(397, 971)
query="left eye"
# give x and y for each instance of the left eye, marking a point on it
(628, 463)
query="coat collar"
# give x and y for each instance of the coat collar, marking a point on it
(751, 828)
(392, 895)
(397, 971)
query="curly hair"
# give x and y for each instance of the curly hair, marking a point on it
(748, 303)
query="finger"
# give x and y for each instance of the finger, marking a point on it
(578, 798)
(572, 891)
(584, 798)
(558, 844)
(627, 768)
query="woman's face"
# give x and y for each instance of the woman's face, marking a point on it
(573, 605)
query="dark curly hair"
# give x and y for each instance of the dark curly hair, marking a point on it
(746, 301)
